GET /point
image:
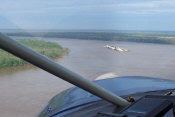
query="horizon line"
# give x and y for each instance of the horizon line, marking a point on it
(84, 30)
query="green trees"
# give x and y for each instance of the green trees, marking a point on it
(131, 36)
(49, 49)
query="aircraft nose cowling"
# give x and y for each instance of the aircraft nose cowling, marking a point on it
(75, 97)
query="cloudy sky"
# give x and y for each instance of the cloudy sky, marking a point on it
(88, 14)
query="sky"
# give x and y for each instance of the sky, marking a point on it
(156, 15)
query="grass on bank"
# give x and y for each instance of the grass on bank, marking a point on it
(49, 49)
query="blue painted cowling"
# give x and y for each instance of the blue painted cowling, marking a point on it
(76, 97)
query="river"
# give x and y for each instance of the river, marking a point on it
(24, 91)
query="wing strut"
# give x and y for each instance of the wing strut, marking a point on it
(54, 68)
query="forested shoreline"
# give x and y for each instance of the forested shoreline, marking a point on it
(131, 36)
(49, 49)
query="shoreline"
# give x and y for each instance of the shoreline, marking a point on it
(27, 66)
(49, 49)
(129, 36)
(164, 42)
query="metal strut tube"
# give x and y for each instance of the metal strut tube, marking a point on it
(54, 68)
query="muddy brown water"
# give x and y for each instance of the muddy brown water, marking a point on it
(24, 91)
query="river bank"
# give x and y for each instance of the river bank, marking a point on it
(49, 49)
(25, 67)
(158, 37)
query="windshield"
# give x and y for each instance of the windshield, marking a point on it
(96, 39)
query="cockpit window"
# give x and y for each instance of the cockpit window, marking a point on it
(97, 39)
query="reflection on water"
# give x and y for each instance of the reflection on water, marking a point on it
(25, 90)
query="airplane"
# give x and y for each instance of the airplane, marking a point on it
(127, 96)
